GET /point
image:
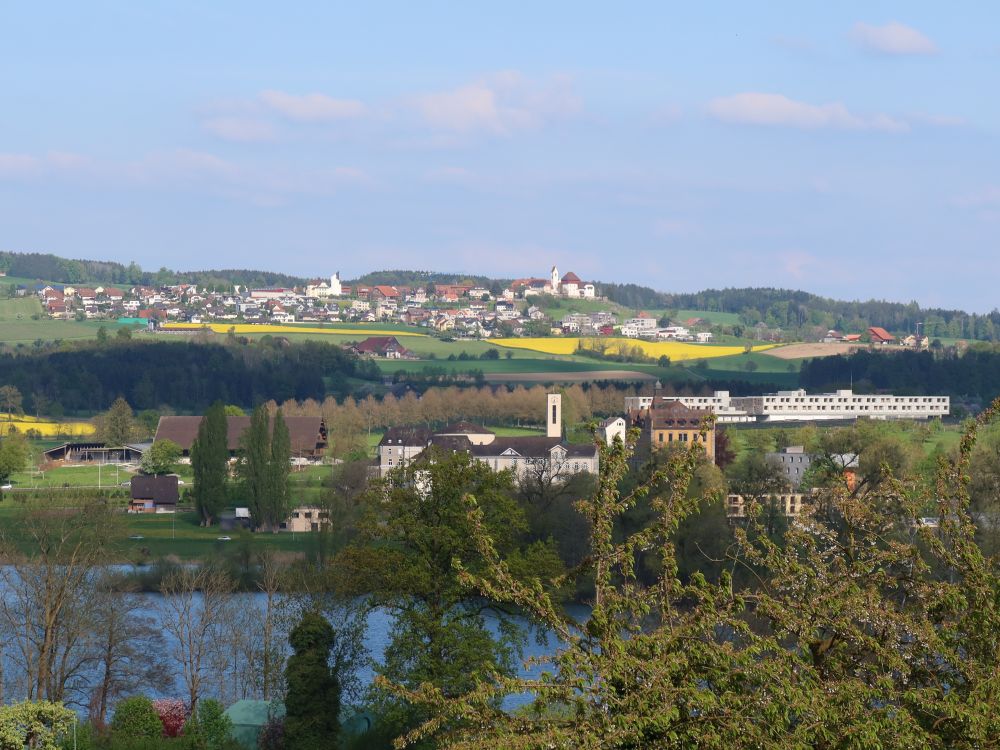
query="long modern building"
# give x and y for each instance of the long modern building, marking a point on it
(799, 406)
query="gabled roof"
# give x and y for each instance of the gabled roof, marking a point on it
(378, 345)
(880, 334)
(307, 434)
(571, 278)
(161, 490)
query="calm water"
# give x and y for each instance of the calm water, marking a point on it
(376, 639)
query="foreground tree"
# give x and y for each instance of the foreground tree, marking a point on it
(210, 463)
(38, 725)
(415, 524)
(197, 611)
(879, 632)
(49, 603)
(312, 703)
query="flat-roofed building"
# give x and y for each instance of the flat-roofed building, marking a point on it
(799, 406)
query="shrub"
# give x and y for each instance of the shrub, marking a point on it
(136, 717)
(173, 715)
(209, 726)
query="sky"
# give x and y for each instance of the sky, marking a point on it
(846, 149)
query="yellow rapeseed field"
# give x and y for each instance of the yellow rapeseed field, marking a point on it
(264, 328)
(45, 427)
(677, 351)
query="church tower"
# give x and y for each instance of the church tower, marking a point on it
(553, 415)
(336, 288)
(555, 280)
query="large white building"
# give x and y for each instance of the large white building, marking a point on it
(549, 456)
(719, 403)
(799, 406)
(321, 289)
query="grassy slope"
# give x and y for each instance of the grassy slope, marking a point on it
(17, 326)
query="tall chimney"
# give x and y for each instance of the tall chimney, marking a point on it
(553, 416)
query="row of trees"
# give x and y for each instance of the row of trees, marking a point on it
(186, 376)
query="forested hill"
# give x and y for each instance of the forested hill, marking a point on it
(423, 278)
(47, 267)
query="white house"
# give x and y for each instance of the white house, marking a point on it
(321, 289)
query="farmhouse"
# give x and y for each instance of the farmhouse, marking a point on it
(152, 494)
(381, 346)
(307, 434)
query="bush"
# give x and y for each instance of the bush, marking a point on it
(209, 726)
(136, 717)
(173, 715)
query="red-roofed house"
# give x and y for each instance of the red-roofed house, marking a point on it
(382, 291)
(880, 336)
(382, 346)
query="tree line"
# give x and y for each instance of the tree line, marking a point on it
(974, 375)
(180, 375)
(48, 267)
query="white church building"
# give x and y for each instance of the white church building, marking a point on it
(320, 288)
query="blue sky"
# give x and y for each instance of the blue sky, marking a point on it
(848, 149)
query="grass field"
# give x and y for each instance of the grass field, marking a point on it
(18, 327)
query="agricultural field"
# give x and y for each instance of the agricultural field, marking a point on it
(264, 329)
(676, 350)
(48, 428)
(17, 326)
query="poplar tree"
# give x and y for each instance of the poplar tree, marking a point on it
(263, 469)
(210, 463)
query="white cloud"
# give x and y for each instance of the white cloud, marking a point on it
(500, 104)
(757, 108)
(28, 165)
(241, 129)
(311, 107)
(671, 227)
(893, 38)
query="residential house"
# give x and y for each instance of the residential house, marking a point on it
(381, 346)
(153, 494)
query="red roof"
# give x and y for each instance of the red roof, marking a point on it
(571, 278)
(880, 334)
(386, 291)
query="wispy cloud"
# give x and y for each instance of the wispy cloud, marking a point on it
(311, 107)
(241, 129)
(757, 108)
(893, 38)
(500, 104)
(986, 197)
(30, 165)
(450, 175)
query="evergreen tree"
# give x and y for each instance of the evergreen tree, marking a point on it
(210, 462)
(312, 705)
